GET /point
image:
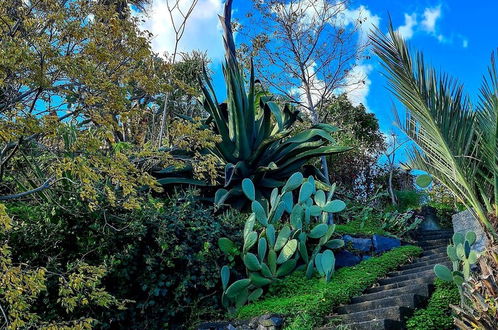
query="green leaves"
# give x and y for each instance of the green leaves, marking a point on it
(226, 245)
(318, 231)
(282, 237)
(443, 273)
(334, 206)
(248, 189)
(296, 217)
(250, 240)
(237, 287)
(471, 237)
(423, 180)
(225, 276)
(293, 182)
(252, 262)
(335, 244)
(260, 212)
(305, 192)
(278, 255)
(288, 251)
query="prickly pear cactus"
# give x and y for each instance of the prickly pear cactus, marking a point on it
(273, 248)
(462, 256)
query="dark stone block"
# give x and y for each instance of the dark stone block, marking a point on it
(359, 244)
(345, 258)
(383, 243)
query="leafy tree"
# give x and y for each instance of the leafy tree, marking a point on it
(78, 87)
(354, 170)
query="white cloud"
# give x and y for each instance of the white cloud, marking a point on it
(407, 30)
(361, 14)
(431, 15)
(357, 93)
(202, 32)
(465, 43)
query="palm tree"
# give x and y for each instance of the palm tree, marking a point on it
(457, 143)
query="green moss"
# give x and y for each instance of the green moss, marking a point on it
(437, 314)
(307, 302)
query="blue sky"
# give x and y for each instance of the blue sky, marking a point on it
(455, 36)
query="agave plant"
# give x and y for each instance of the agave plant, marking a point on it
(457, 144)
(258, 139)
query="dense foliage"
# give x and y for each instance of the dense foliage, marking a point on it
(162, 259)
(257, 140)
(306, 302)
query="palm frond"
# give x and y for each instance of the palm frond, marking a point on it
(439, 119)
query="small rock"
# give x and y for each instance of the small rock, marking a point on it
(270, 321)
(464, 222)
(360, 244)
(383, 243)
(345, 258)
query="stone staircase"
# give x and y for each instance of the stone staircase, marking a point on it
(387, 305)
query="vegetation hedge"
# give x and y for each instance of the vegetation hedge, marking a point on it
(306, 302)
(163, 258)
(437, 315)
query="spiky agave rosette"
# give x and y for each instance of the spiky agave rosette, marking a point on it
(258, 139)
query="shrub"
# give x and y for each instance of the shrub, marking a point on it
(306, 302)
(409, 199)
(437, 315)
(162, 256)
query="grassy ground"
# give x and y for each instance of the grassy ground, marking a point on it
(306, 302)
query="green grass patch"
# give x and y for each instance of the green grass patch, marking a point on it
(437, 315)
(358, 227)
(307, 302)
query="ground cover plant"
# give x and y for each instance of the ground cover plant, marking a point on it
(306, 302)
(437, 315)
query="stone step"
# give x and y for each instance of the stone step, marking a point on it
(409, 282)
(429, 261)
(433, 242)
(434, 256)
(396, 313)
(409, 300)
(434, 251)
(447, 263)
(423, 290)
(434, 246)
(400, 278)
(369, 325)
(425, 237)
